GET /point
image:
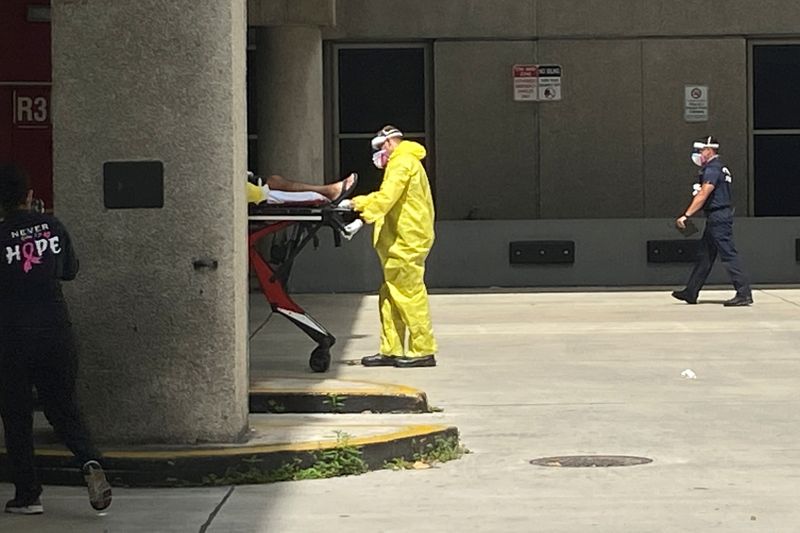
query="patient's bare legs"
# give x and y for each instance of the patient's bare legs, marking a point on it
(330, 190)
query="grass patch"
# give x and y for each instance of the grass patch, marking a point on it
(341, 460)
(335, 402)
(275, 407)
(441, 450)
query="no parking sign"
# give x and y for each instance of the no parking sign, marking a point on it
(696, 103)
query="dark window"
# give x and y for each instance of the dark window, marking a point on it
(252, 93)
(252, 155)
(776, 86)
(380, 86)
(776, 130)
(377, 86)
(777, 175)
(355, 155)
(252, 103)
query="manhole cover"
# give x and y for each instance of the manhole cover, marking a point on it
(590, 461)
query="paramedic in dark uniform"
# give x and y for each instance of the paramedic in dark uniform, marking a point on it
(713, 197)
(37, 347)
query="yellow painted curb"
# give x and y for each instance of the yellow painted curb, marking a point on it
(375, 389)
(243, 450)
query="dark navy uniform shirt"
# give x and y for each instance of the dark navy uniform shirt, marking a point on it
(718, 175)
(35, 256)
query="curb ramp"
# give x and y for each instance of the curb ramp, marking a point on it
(310, 395)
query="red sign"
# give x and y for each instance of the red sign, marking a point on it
(526, 83)
(25, 134)
(526, 71)
(25, 123)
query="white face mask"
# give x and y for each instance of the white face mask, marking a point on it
(379, 159)
(698, 159)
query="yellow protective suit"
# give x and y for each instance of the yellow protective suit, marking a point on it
(255, 194)
(402, 211)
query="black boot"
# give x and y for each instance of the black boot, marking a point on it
(739, 301)
(378, 360)
(414, 362)
(684, 297)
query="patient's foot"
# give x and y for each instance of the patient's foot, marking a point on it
(335, 190)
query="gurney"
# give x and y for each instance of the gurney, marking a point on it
(302, 222)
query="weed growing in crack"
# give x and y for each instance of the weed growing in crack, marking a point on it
(343, 459)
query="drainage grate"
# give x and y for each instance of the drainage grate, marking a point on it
(591, 461)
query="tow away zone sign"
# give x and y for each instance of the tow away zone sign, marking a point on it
(537, 83)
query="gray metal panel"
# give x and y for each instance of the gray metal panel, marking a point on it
(546, 19)
(633, 18)
(668, 66)
(486, 143)
(591, 141)
(291, 12)
(607, 253)
(413, 19)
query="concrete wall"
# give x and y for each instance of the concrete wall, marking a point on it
(608, 253)
(591, 141)
(486, 144)
(291, 12)
(290, 108)
(586, 18)
(667, 66)
(616, 147)
(162, 344)
(425, 19)
(555, 19)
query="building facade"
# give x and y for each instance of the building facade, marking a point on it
(604, 165)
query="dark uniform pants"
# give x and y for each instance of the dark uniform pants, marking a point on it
(46, 359)
(718, 240)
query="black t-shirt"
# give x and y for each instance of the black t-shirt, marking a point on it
(718, 175)
(36, 254)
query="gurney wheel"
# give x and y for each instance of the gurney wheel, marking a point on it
(320, 360)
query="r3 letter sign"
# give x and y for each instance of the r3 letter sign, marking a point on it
(31, 108)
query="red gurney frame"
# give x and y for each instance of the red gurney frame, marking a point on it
(308, 220)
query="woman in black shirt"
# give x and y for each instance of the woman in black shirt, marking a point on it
(37, 347)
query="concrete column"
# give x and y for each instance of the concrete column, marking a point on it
(163, 343)
(290, 108)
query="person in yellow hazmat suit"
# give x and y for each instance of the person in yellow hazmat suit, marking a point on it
(277, 189)
(402, 212)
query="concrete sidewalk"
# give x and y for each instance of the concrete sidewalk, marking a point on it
(523, 376)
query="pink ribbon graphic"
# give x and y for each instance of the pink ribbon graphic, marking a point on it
(30, 259)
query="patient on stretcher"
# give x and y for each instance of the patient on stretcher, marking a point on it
(279, 190)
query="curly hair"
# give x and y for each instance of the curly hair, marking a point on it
(13, 187)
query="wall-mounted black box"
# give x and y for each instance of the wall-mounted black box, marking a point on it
(541, 252)
(677, 251)
(133, 184)
(797, 250)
